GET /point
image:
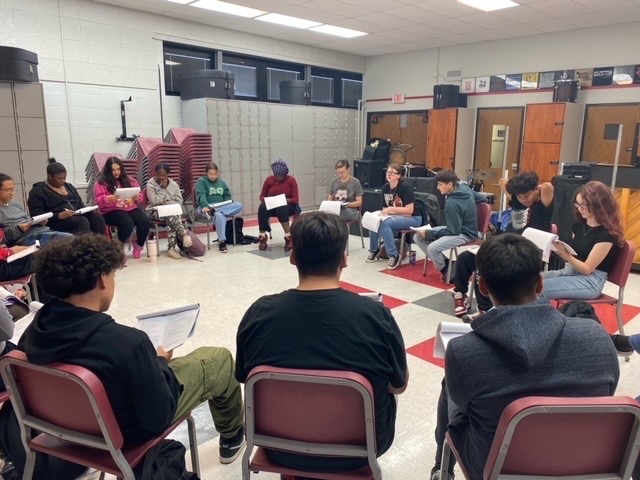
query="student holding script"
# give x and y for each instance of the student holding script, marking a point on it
(597, 238)
(521, 347)
(213, 198)
(17, 224)
(122, 212)
(69, 212)
(280, 184)
(147, 388)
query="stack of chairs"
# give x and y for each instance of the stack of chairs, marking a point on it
(196, 150)
(149, 152)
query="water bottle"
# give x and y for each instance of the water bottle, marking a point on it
(412, 257)
(152, 250)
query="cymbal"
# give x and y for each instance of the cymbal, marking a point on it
(484, 174)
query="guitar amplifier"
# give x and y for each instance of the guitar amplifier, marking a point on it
(576, 170)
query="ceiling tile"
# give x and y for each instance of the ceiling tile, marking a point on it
(552, 25)
(623, 15)
(336, 6)
(560, 8)
(600, 5)
(589, 20)
(386, 20)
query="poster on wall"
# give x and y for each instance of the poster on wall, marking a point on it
(468, 85)
(546, 80)
(482, 84)
(513, 82)
(602, 76)
(623, 75)
(585, 76)
(530, 81)
(497, 83)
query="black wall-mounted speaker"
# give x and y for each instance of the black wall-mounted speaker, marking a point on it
(446, 96)
(370, 173)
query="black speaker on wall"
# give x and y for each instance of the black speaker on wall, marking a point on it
(446, 96)
(370, 173)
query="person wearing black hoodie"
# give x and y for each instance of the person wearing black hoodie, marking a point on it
(57, 196)
(147, 388)
(522, 347)
(461, 220)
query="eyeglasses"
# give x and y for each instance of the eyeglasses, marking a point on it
(9, 190)
(392, 172)
(581, 205)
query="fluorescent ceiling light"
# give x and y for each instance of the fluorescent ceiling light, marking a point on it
(489, 5)
(183, 2)
(229, 8)
(338, 31)
(288, 21)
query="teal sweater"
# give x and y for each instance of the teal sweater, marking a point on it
(208, 192)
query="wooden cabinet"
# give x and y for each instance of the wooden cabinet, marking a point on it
(450, 139)
(551, 137)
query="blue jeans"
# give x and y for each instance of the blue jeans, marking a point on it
(388, 229)
(434, 249)
(29, 239)
(568, 283)
(220, 217)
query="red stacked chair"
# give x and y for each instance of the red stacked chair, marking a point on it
(195, 150)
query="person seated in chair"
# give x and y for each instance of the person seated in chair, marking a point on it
(211, 189)
(60, 197)
(346, 189)
(147, 387)
(522, 347)
(339, 330)
(461, 220)
(532, 206)
(162, 190)
(398, 204)
(16, 222)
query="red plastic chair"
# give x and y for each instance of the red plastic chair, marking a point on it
(310, 412)
(551, 437)
(618, 275)
(69, 405)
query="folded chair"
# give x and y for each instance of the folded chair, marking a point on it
(540, 438)
(69, 405)
(318, 413)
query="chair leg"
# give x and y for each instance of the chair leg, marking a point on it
(193, 445)
(361, 233)
(30, 465)
(34, 284)
(444, 462)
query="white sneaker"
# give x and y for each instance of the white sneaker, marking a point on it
(173, 253)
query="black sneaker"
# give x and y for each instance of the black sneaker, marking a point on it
(287, 243)
(373, 256)
(222, 247)
(435, 474)
(230, 448)
(394, 262)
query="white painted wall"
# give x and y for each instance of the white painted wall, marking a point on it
(415, 73)
(92, 55)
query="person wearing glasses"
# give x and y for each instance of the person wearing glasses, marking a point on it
(16, 223)
(398, 204)
(532, 206)
(598, 237)
(57, 196)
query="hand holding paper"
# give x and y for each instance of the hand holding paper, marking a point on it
(275, 202)
(41, 218)
(330, 206)
(170, 328)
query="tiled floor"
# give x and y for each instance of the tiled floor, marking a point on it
(225, 286)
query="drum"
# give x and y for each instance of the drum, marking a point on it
(396, 156)
(566, 91)
(491, 198)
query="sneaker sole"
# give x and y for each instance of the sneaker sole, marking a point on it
(228, 460)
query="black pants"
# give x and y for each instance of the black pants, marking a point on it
(283, 213)
(125, 221)
(89, 222)
(465, 266)
(17, 269)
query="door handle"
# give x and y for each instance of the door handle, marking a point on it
(557, 162)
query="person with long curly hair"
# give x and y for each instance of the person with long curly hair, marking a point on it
(123, 213)
(597, 238)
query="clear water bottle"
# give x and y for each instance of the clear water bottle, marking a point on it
(412, 257)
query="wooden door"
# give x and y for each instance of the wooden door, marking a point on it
(404, 130)
(441, 138)
(487, 118)
(544, 122)
(384, 126)
(542, 158)
(600, 136)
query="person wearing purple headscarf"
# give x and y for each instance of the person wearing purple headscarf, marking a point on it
(278, 183)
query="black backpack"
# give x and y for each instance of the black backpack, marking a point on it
(165, 461)
(429, 207)
(238, 223)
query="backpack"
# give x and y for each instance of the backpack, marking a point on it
(165, 461)
(238, 223)
(197, 249)
(429, 207)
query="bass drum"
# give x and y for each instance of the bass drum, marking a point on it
(396, 156)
